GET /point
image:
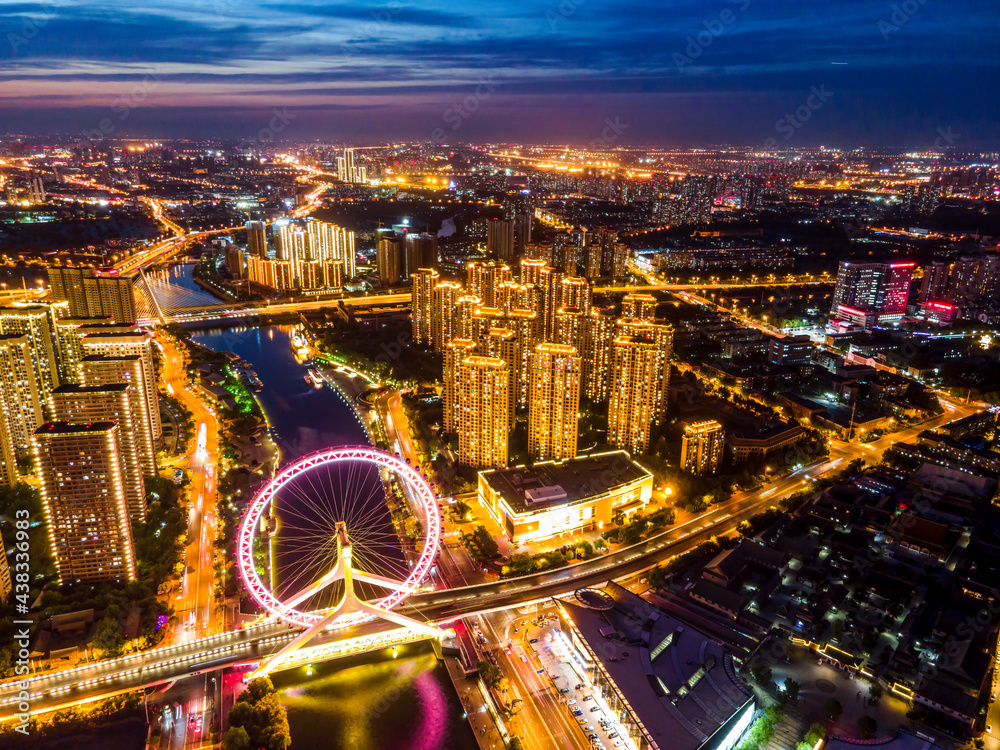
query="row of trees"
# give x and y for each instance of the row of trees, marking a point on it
(257, 720)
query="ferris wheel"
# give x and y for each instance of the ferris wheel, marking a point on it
(319, 546)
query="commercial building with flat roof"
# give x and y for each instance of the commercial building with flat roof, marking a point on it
(668, 686)
(564, 497)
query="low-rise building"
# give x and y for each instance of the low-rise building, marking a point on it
(563, 497)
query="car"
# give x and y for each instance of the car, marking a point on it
(595, 708)
(619, 742)
(571, 702)
(591, 736)
(586, 697)
(577, 712)
(588, 728)
(563, 690)
(612, 735)
(581, 720)
(507, 651)
(580, 685)
(533, 640)
(524, 658)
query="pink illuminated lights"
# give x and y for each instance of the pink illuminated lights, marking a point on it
(365, 454)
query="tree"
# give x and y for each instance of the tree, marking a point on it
(832, 708)
(761, 672)
(875, 693)
(791, 689)
(868, 727)
(259, 713)
(236, 738)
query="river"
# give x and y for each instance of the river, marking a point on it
(373, 701)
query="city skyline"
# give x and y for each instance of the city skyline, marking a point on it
(700, 73)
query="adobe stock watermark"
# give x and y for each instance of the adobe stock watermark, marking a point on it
(564, 10)
(459, 112)
(946, 138)
(39, 18)
(900, 16)
(794, 120)
(280, 118)
(614, 127)
(122, 107)
(714, 28)
(372, 30)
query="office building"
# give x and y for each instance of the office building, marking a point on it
(500, 239)
(641, 306)
(103, 370)
(37, 322)
(482, 411)
(553, 402)
(423, 282)
(137, 343)
(257, 239)
(790, 350)
(552, 498)
(869, 294)
(701, 447)
(78, 404)
(94, 293)
(635, 373)
(83, 492)
(22, 399)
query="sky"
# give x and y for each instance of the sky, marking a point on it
(843, 73)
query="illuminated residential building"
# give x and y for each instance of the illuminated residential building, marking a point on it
(632, 407)
(139, 344)
(94, 293)
(662, 337)
(477, 279)
(275, 275)
(869, 294)
(79, 404)
(553, 402)
(22, 398)
(541, 251)
(531, 271)
(455, 351)
(524, 325)
(256, 239)
(423, 282)
(500, 239)
(485, 279)
(69, 339)
(569, 327)
(511, 296)
(465, 315)
(592, 254)
(551, 498)
(102, 370)
(576, 292)
(444, 303)
(83, 492)
(481, 411)
(331, 244)
(551, 300)
(502, 344)
(6, 585)
(641, 306)
(9, 474)
(596, 336)
(701, 447)
(37, 322)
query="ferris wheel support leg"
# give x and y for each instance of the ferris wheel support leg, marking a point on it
(301, 639)
(336, 574)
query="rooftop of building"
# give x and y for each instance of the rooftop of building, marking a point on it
(67, 428)
(678, 682)
(533, 488)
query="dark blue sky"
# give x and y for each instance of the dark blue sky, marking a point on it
(666, 72)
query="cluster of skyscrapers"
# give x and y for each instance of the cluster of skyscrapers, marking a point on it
(317, 255)
(539, 342)
(871, 294)
(348, 171)
(78, 400)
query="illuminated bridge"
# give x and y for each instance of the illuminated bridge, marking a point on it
(257, 643)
